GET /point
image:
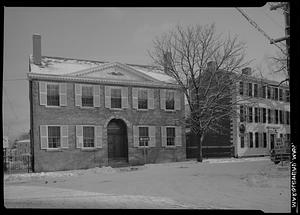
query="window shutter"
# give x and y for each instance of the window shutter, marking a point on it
(43, 92)
(98, 136)
(124, 97)
(163, 136)
(78, 90)
(163, 99)
(44, 136)
(63, 94)
(248, 139)
(96, 95)
(150, 98)
(107, 96)
(177, 101)
(178, 137)
(152, 142)
(64, 136)
(79, 136)
(135, 136)
(135, 98)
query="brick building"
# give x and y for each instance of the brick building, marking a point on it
(88, 113)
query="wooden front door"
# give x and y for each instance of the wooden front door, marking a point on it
(117, 141)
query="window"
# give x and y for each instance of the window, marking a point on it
(241, 88)
(88, 136)
(142, 99)
(143, 132)
(269, 116)
(53, 94)
(276, 93)
(256, 115)
(170, 136)
(256, 140)
(265, 139)
(264, 112)
(251, 139)
(287, 117)
(242, 114)
(269, 92)
(263, 91)
(53, 136)
(255, 90)
(288, 137)
(276, 117)
(280, 95)
(250, 89)
(242, 142)
(287, 96)
(170, 101)
(250, 114)
(281, 117)
(87, 96)
(116, 98)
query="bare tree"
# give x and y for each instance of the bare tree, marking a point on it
(278, 64)
(207, 67)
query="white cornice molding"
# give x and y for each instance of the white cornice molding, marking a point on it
(157, 84)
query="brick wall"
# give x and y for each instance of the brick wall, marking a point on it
(74, 158)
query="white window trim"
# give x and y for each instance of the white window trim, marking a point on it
(52, 83)
(89, 148)
(87, 107)
(148, 126)
(171, 146)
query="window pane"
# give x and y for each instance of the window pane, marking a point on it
(251, 139)
(255, 90)
(280, 95)
(116, 101)
(53, 136)
(87, 96)
(170, 100)
(250, 114)
(88, 136)
(249, 89)
(53, 94)
(142, 99)
(241, 88)
(256, 139)
(143, 132)
(170, 136)
(241, 113)
(242, 142)
(265, 139)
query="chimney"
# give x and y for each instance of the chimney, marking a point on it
(246, 71)
(167, 61)
(212, 65)
(37, 52)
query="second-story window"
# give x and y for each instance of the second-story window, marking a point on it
(287, 117)
(241, 90)
(263, 93)
(264, 117)
(142, 99)
(269, 116)
(269, 92)
(87, 96)
(53, 94)
(170, 100)
(250, 114)
(242, 114)
(255, 90)
(275, 93)
(116, 98)
(256, 115)
(281, 117)
(280, 95)
(250, 89)
(287, 96)
(276, 117)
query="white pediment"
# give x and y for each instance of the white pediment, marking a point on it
(114, 71)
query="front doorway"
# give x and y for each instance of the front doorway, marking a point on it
(117, 142)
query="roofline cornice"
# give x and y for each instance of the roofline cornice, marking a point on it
(36, 76)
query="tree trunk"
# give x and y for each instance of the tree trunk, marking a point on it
(200, 139)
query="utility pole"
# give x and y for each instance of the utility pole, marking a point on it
(286, 11)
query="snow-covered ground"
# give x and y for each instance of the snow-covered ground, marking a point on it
(249, 183)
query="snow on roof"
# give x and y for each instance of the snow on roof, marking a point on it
(66, 66)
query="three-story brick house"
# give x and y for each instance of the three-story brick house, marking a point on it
(88, 113)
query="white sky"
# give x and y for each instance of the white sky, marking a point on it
(113, 34)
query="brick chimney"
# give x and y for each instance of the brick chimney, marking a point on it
(167, 61)
(37, 50)
(212, 65)
(246, 71)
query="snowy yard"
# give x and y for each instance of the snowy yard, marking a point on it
(253, 183)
